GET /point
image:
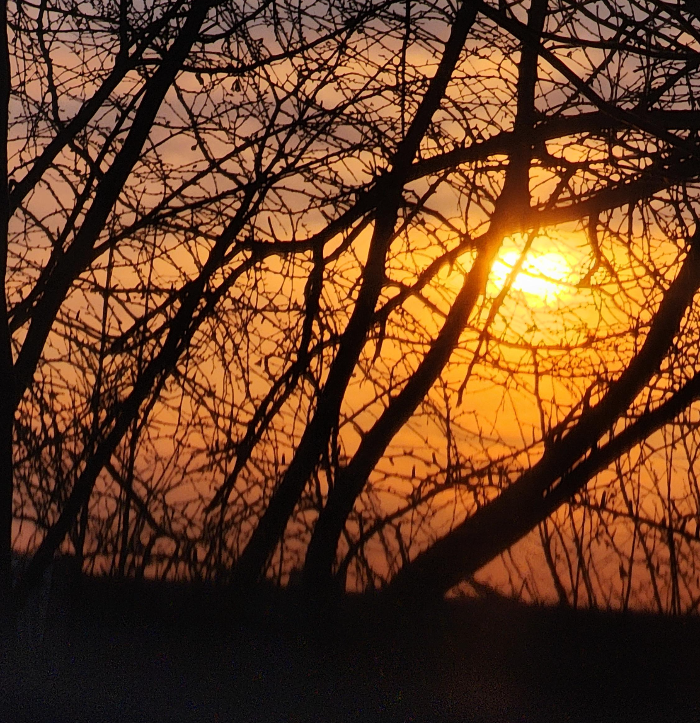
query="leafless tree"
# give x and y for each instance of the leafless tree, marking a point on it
(275, 300)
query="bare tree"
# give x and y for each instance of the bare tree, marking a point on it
(275, 295)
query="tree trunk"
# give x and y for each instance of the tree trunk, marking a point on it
(6, 370)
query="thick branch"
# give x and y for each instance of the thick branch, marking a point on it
(315, 438)
(524, 504)
(512, 208)
(72, 263)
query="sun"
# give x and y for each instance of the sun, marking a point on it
(542, 277)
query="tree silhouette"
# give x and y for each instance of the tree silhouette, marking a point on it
(266, 292)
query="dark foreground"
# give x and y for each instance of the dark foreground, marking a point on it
(159, 653)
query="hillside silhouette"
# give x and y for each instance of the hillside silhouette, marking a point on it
(146, 651)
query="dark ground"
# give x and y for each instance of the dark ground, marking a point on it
(168, 653)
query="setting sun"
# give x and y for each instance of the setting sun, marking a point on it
(542, 276)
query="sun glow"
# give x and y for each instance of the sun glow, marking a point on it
(542, 276)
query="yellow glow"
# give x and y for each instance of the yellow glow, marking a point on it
(542, 277)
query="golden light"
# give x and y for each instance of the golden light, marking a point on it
(542, 276)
